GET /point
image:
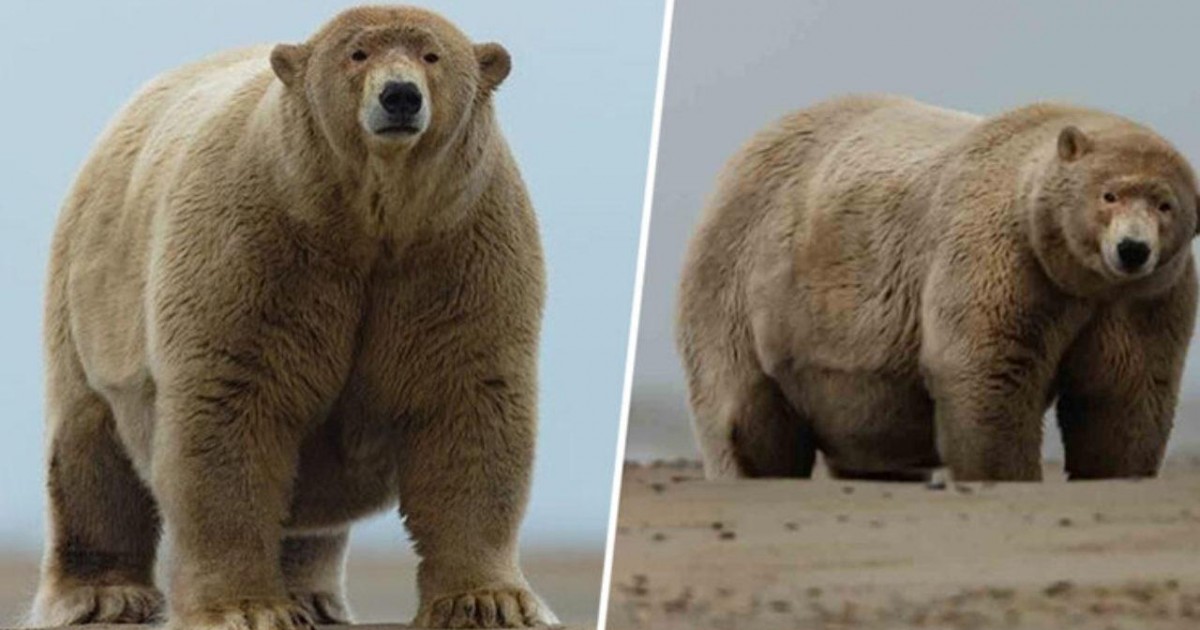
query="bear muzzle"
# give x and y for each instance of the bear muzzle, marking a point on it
(398, 110)
(1130, 247)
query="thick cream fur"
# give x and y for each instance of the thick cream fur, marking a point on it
(900, 286)
(262, 324)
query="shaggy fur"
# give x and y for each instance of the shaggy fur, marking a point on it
(900, 287)
(265, 321)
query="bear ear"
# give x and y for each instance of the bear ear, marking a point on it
(288, 61)
(1073, 143)
(494, 65)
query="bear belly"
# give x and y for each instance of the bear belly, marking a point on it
(348, 471)
(866, 424)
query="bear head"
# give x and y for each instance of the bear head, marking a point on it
(386, 80)
(1122, 202)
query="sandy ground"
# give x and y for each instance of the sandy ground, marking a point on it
(381, 584)
(828, 554)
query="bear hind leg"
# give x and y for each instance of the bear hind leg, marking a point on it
(753, 431)
(312, 570)
(104, 524)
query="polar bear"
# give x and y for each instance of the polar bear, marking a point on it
(289, 288)
(901, 287)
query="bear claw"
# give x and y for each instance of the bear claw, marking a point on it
(97, 604)
(486, 608)
(323, 607)
(246, 615)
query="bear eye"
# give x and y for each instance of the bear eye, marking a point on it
(431, 58)
(359, 55)
(1164, 207)
(1110, 198)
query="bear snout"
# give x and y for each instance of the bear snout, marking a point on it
(1132, 254)
(401, 100)
(1130, 247)
(397, 109)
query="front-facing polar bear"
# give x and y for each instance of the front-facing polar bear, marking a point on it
(288, 288)
(900, 286)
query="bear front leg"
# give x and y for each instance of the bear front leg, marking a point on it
(250, 352)
(988, 422)
(223, 467)
(1119, 385)
(468, 429)
(464, 484)
(992, 336)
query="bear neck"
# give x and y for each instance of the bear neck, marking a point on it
(426, 191)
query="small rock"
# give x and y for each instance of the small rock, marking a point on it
(1059, 588)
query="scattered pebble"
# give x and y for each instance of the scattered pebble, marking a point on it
(1059, 588)
(679, 604)
(640, 585)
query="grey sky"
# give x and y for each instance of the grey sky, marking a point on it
(736, 66)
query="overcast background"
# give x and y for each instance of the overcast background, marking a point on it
(736, 66)
(577, 111)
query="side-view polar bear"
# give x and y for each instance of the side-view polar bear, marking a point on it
(290, 287)
(901, 287)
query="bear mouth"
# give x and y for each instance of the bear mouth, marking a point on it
(398, 130)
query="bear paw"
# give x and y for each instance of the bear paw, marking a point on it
(486, 608)
(255, 614)
(323, 607)
(82, 604)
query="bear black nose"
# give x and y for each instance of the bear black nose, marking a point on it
(400, 98)
(1133, 254)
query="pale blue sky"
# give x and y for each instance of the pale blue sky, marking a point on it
(577, 111)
